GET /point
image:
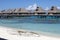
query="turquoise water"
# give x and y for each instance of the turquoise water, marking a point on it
(32, 24)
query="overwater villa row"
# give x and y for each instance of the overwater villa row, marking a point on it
(52, 12)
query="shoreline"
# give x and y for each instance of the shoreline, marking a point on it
(42, 33)
(39, 32)
(8, 32)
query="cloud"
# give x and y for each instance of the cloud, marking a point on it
(58, 7)
(32, 7)
(29, 7)
(46, 8)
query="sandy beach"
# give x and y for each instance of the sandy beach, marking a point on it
(12, 34)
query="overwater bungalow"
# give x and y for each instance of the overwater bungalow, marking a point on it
(39, 11)
(54, 11)
(21, 11)
(18, 12)
(14, 12)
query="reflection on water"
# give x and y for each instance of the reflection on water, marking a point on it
(34, 19)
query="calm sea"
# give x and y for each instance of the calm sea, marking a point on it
(33, 24)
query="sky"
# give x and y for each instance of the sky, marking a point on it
(6, 4)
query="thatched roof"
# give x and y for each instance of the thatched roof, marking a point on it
(7, 11)
(2, 11)
(39, 10)
(54, 9)
(21, 10)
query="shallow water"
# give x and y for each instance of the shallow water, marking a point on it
(34, 24)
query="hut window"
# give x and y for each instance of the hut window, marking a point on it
(36, 9)
(52, 8)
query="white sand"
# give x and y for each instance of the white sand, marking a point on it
(12, 34)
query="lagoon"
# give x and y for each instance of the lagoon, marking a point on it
(33, 24)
